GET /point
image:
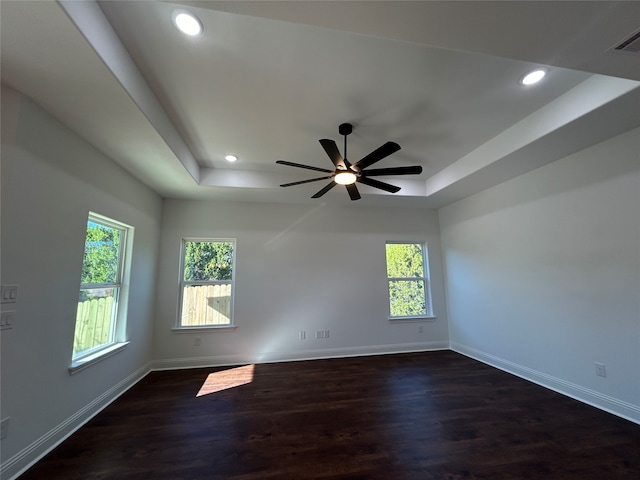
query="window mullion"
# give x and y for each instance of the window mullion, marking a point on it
(207, 282)
(400, 279)
(89, 286)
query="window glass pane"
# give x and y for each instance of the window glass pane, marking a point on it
(95, 318)
(207, 261)
(206, 305)
(407, 298)
(404, 260)
(101, 250)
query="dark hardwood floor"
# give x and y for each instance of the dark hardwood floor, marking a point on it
(435, 415)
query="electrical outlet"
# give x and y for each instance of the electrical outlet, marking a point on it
(197, 341)
(4, 428)
(302, 335)
(601, 371)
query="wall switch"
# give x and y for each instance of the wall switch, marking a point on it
(303, 334)
(9, 293)
(601, 371)
(4, 428)
(7, 319)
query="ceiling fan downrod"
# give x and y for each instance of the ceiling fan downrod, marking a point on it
(345, 129)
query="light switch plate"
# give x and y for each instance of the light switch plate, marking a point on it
(7, 319)
(9, 293)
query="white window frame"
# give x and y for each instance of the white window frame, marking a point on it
(117, 335)
(425, 278)
(184, 283)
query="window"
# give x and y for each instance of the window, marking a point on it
(408, 278)
(207, 281)
(99, 323)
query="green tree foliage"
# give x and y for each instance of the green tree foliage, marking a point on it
(404, 260)
(101, 250)
(206, 261)
(407, 296)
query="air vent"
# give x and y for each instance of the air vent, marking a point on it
(631, 44)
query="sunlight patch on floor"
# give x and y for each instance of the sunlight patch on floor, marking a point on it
(234, 377)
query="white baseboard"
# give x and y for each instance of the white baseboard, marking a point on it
(21, 461)
(314, 354)
(599, 400)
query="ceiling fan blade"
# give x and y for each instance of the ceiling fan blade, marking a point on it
(334, 154)
(299, 165)
(377, 155)
(353, 191)
(324, 190)
(376, 172)
(377, 184)
(305, 181)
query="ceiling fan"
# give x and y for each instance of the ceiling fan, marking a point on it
(348, 174)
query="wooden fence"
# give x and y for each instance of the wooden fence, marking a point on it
(93, 323)
(206, 305)
(201, 305)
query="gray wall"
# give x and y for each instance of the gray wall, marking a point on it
(50, 181)
(543, 274)
(298, 268)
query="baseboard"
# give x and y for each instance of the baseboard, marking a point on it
(596, 399)
(314, 354)
(21, 461)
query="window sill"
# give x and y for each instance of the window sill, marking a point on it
(210, 328)
(412, 319)
(87, 361)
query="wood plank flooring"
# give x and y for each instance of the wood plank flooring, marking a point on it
(433, 415)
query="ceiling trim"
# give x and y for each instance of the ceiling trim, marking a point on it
(582, 99)
(592, 106)
(94, 26)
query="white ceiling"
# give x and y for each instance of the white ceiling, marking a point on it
(267, 80)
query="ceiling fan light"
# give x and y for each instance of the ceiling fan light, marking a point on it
(345, 178)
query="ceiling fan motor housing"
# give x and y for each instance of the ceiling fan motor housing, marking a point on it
(345, 129)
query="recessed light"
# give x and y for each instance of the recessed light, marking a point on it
(187, 23)
(533, 77)
(231, 158)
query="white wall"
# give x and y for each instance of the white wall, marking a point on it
(50, 180)
(298, 268)
(543, 274)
